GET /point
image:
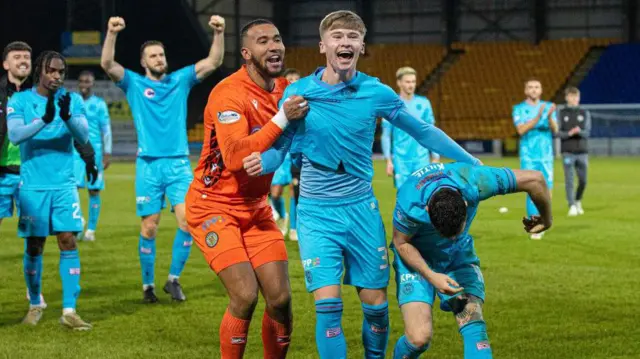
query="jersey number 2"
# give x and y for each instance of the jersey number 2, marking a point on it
(76, 211)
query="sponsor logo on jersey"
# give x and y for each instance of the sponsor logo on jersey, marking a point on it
(10, 110)
(149, 93)
(227, 117)
(483, 345)
(255, 103)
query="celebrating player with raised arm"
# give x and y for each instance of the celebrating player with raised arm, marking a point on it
(433, 250)
(339, 223)
(535, 122)
(97, 114)
(227, 211)
(402, 152)
(44, 122)
(158, 102)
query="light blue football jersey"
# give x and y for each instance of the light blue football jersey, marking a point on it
(47, 158)
(475, 183)
(403, 147)
(159, 111)
(537, 144)
(333, 145)
(97, 113)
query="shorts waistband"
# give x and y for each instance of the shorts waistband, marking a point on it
(333, 202)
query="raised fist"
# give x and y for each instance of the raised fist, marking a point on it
(216, 23)
(116, 24)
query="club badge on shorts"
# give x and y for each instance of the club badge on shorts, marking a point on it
(211, 239)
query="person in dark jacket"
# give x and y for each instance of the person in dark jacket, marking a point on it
(575, 127)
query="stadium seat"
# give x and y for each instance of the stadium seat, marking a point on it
(474, 98)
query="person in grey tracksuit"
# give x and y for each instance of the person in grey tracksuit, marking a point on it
(574, 130)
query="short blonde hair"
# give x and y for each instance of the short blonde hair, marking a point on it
(405, 71)
(343, 19)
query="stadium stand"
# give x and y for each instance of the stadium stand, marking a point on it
(476, 95)
(615, 78)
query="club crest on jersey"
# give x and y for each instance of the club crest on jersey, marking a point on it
(211, 239)
(227, 117)
(580, 118)
(149, 93)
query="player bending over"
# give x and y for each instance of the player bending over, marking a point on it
(158, 102)
(44, 122)
(97, 114)
(535, 122)
(402, 152)
(433, 250)
(339, 224)
(227, 211)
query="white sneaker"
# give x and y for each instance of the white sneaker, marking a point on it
(573, 211)
(293, 235)
(43, 304)
(537, 236)
(89, 235)
(579, 207)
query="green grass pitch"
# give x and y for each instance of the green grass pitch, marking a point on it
(572, 295)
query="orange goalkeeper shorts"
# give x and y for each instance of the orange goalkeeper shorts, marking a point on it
(227, 236)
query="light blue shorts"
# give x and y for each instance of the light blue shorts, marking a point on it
(157, 178)
(45, 213)
(81, 175)
(342, 237)
(9, 194)
(412, 287)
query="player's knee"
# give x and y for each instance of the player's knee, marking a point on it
(66, 241)
(467, 310)
(280, 302)
(182, 224)
(35, 246)
(94, 193)
(149, 228)
(419, 336)
(245, 301)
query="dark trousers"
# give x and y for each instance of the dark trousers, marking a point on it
(579, 162)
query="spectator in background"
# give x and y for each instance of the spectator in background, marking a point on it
(575, 126)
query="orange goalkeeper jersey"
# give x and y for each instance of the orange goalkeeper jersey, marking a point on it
(237, 121)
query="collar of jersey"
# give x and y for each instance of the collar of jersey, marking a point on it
(317, 78)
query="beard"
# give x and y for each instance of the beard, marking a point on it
(157, 73)
(264, 69)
